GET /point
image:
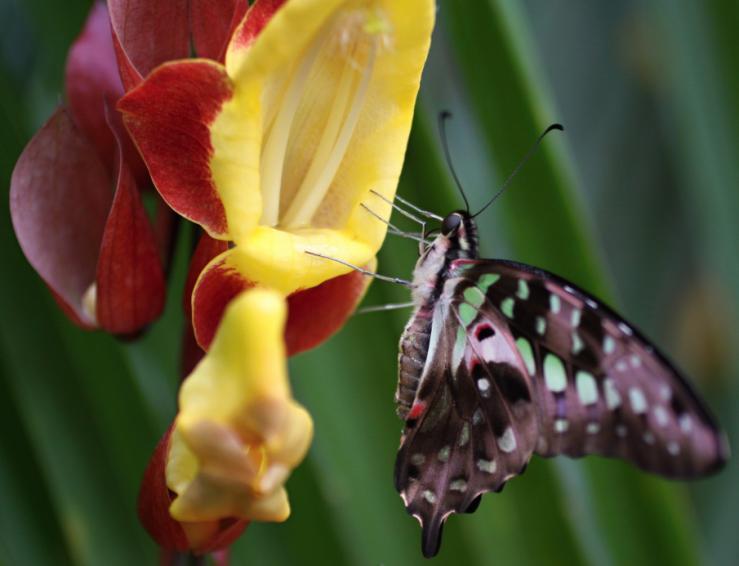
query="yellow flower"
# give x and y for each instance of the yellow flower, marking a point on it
(239, 433)
(276, 150)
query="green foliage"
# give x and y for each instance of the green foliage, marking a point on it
(636, 201)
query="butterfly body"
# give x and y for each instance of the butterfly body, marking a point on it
(501, 360)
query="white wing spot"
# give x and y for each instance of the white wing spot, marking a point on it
(648, 437)
(575, 317)
(577, 344)
(638, 400)
(592, 428)
(464, 435)
(660, 415)
(665, 392)
(635, 361)
(609, 344)
(569, 289)
(429, 496)
(487, 466)
(673, 448)
(613, 397)
(523, 290)
(418, 459)
(686, 424)
(541, 325)
(444, 454)
(477, 416)
(591, 303)
(507, 441)
(483, 384)
(458, 485)
(621, 431)
(625, 328)
(561, 425)
(621, 366)
(554, 303)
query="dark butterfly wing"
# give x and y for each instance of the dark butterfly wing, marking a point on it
(602, 388)
(474, 423)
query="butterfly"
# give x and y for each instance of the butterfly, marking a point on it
(501, 360)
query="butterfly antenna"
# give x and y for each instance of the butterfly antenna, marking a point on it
(443, 117)
(521, 163)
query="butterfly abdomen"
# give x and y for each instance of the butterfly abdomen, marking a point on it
(414, 346)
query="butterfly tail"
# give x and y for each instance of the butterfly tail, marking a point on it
(431, 536)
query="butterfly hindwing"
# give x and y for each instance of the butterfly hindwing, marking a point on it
(473, 424)
(601, 387)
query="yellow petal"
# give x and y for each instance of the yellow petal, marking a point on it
(322, 108)
(238, 433)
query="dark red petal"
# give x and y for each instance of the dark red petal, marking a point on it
(155, 499)
(206, 250)
(213, 23)
(130, 77)
(130, 280)
(151, 32)
(91, 79)
(60, 195)
(218, 284)
(257, 17)
(313, 314)
(316, 314)
(169, 116)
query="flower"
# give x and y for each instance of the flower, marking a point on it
(76, 191)
(275, 150)
(237, 436)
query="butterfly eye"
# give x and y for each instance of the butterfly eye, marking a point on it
(451, 223)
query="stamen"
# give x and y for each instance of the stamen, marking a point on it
(394, 229)
(273, 155)
(387, 307)
(419, 210)
(396, 207)
(396, 280)
(311, 193)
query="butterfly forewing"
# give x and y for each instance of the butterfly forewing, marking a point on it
(601, 387)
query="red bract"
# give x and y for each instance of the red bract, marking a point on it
(76, 191)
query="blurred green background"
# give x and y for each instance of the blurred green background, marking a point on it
(636, 201)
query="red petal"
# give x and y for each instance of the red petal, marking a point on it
(257, 17)
(130, 279)
(151, 32)
(91, 79)
(316, 314)
(207, 249)
(130, 77)
(213, 22)
(169, 116)
(191, 353)
(313, 314)
(60, 196)
(155, 499)
(218, 284)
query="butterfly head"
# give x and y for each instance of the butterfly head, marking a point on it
(460, 230)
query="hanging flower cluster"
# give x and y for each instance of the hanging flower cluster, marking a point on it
(293, 114)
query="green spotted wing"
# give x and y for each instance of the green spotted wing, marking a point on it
(521, 361)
